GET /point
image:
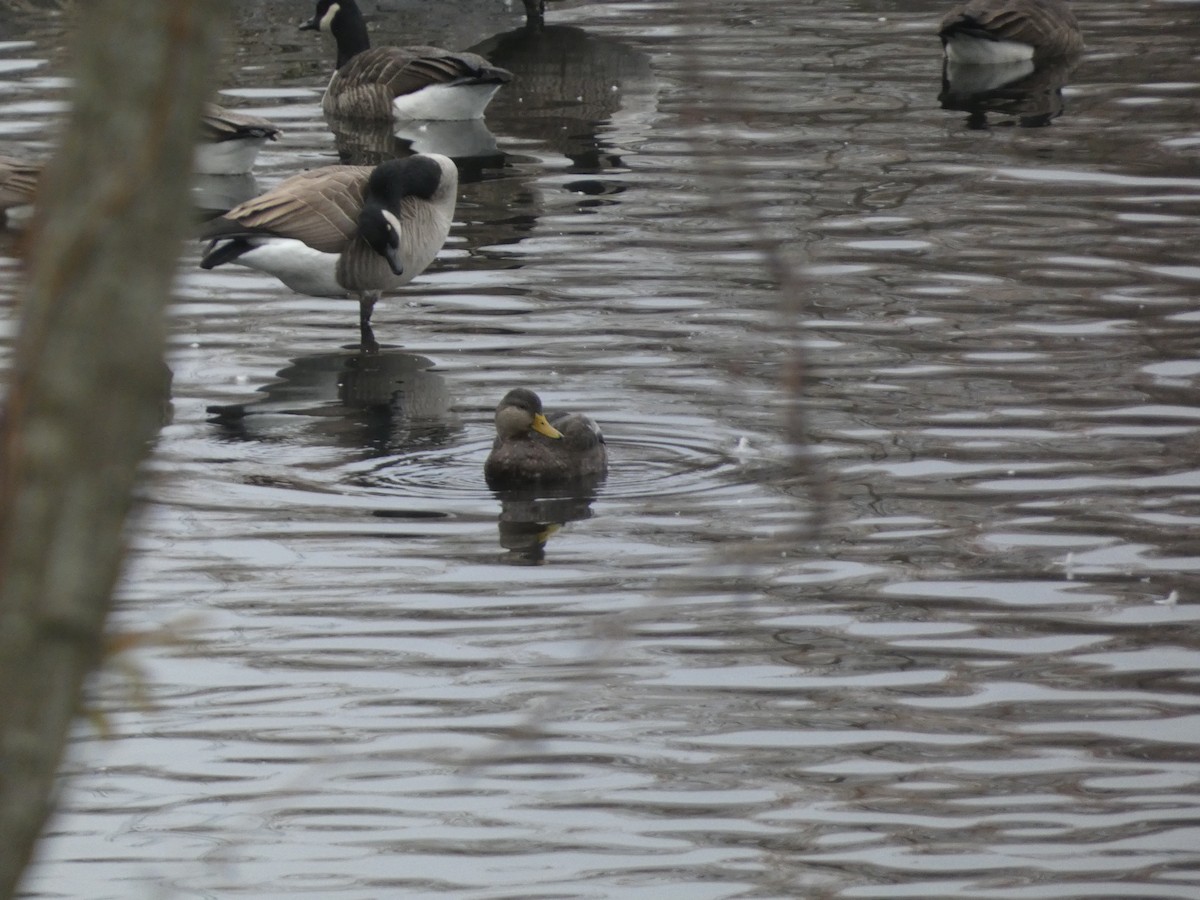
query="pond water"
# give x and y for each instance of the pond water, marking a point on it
(894, 587)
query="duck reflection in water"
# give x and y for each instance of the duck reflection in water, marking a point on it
(529, 517)
(1015, 93)
(544, 469)
(381, 402)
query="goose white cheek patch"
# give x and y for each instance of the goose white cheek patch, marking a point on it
(328, 17)
(394, 222)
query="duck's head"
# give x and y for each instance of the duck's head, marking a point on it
(521, 412)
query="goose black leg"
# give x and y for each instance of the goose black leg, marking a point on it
(366, 305)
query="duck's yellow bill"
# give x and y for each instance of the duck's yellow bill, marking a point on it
(542, 426)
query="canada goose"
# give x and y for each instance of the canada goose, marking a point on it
(399, 82)
(18, 185)
(230, 141)
(999, 31)
(530, 447)
(343, 230)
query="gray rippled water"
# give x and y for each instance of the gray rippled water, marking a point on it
(947, 647)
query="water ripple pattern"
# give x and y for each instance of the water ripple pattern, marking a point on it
(947, 647)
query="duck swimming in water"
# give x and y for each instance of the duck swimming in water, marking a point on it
(531, 448)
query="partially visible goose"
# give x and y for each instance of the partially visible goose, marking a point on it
(18, 185)
(343, 230)
(533, 449)
(399, 82)
(1000, 31)
(229, 141)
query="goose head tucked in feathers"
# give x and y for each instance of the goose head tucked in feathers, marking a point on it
(343, 230)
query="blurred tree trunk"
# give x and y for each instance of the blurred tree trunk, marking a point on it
(88, 383)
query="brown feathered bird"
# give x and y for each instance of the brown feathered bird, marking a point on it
(343, 230)
(1000, 31)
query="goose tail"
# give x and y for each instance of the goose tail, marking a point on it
(223, 250)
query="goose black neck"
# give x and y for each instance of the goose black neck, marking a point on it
(350, 31)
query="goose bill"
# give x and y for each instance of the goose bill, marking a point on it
(542, 426)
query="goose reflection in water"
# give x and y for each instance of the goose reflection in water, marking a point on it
(574, 95)
(1015, 93)
(215, 195)
(363, 142)
(381, 402)
(529, 517)
(567, 86)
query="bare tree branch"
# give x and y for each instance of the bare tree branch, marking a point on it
(88, 381)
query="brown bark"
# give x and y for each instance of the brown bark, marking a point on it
(88, 381)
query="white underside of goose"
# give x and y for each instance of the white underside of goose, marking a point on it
(980, 51)
(297, 265)
(445, 101)
(233, 157)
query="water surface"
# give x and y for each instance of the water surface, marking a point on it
(945, 648)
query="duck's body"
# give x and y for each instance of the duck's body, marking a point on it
(1004, 31)
(229, 141)
(18, 185)
(418, 82)
(343, 230)
(531, 448)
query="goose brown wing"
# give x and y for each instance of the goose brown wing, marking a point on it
(1024, 21)
(320, 208)
(18, 181)
(404, 70)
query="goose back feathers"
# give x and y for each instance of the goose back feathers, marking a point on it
(418, 82)
(999, 31)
